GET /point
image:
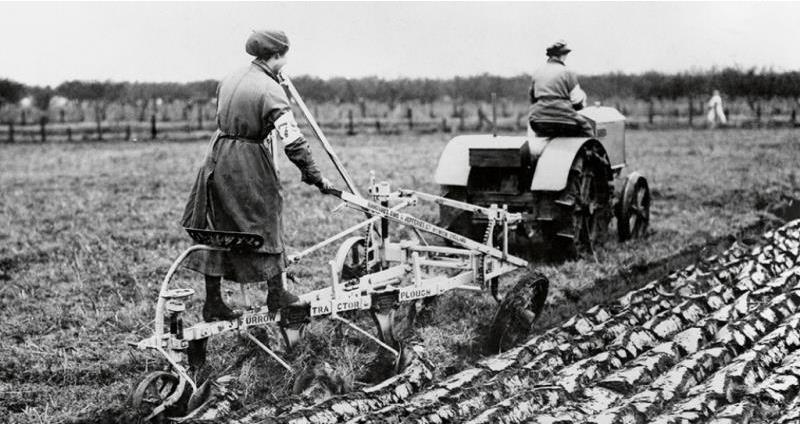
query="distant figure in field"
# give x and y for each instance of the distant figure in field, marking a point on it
(716, 115)
(556, 97)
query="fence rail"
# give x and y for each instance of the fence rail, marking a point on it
(155, 129)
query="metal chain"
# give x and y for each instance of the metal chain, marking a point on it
(367, 244)
(487, 235)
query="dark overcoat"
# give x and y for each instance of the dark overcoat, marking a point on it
(237, 188)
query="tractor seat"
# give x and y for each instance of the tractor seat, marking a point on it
(234, 241)
(553, 129)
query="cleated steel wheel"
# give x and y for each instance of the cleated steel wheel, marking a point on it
(633, 209)
(157, 394)
(583, 207)
(517, 313)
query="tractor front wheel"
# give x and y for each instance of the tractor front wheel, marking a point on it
(633, 210)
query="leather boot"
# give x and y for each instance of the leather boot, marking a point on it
(214, 308)
(278, 297)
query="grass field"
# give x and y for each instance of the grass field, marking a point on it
(87, 231)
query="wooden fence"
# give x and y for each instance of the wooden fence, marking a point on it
(158, 127)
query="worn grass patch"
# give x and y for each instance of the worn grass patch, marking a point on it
(88, 230)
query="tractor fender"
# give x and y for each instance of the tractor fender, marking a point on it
(552, 169)
(453, 168)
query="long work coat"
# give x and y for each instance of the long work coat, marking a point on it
(556, 97)
(237, 188)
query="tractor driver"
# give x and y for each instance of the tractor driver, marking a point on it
(556, 97)
(237, 189)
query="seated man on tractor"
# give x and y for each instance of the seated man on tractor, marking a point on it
(556, 97)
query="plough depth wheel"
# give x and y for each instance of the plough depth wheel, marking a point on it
(353, 259)
(518, 311)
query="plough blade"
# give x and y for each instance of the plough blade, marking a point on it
(293, 324)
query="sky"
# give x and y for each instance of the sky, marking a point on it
(47, 43)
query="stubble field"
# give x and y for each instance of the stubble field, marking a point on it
(88, 230)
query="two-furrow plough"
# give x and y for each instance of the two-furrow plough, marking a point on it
(370, 272)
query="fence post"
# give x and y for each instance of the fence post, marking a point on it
(691, 111)
(200, 117)
(794, 117)
(378, 126)
(650, 111)
(69, 134)
(758, 114)
(99, 128)
(42, 129)
(445, 129)
(350, 126)
(11, 131)
(494, 114)
(481, 118)
(153, 132)
(127, 132)
(410, 116)
(23, 118)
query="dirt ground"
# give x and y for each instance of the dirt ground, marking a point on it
(88, 230)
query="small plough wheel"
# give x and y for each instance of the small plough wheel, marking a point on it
(633, 210)
(152, 391)
(355, 259)
(517, 312)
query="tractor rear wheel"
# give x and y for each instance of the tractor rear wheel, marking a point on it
(583, 207)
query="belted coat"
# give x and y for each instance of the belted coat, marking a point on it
(237, 188)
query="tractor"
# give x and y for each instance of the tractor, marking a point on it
(566, 188)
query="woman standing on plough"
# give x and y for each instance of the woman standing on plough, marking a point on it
(237, 189)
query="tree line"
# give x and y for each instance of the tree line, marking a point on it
(750, 84)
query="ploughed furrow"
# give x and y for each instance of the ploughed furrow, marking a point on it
(631, 331)
(731, 340)
(764, 401)
(729, 384)
(539, 358)
(647, 354)
(576, 378)
(342, 407)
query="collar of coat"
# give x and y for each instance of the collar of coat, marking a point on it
(555, 60)
(263, 65)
